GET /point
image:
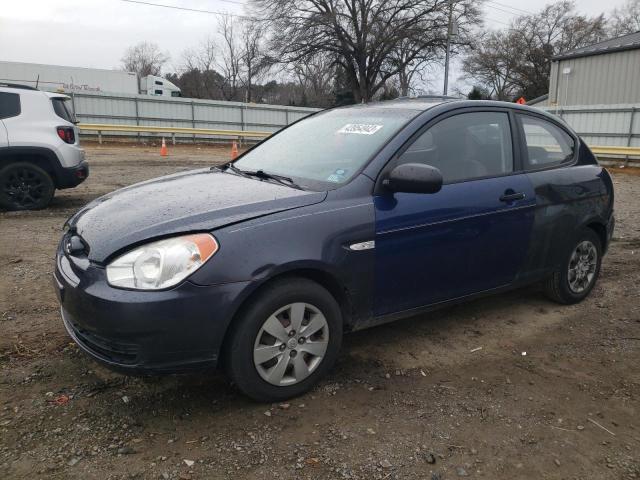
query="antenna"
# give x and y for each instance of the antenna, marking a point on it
(37, 80)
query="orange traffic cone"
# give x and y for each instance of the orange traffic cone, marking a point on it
(234, 151)
(163, 150)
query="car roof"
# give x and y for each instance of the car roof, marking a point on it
(18, 86)
(422, 104)
(414, 107)
(28, 90)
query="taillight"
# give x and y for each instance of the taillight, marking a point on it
(66, 134)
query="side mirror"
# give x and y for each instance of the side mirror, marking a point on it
(413, 178)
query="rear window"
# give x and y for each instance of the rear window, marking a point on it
(61, 107)
(547, 144)
(9, 105)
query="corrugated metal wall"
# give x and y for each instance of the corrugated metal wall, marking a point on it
(603, 125)
(183, 112)
(606, 79)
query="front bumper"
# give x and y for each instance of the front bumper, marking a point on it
(170, 331)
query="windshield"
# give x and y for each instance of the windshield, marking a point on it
(327, 149)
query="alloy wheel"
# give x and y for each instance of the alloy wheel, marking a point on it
(291, 344)
(24, 187)
(582, 266)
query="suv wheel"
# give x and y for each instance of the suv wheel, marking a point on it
(24, 186)
(579, 271)
(284, 341)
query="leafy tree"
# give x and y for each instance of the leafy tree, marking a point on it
(478, 93)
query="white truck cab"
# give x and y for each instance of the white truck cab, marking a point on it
(158, 86)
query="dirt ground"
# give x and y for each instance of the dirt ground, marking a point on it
(441, 396)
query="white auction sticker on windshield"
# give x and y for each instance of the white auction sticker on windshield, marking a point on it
(360, 128)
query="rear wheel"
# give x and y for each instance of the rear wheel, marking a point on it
(577, 276)
(284, 341)
(24, 186)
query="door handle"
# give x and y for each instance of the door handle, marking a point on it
(512, 197)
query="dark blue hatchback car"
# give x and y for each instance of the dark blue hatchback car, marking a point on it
(347, 219)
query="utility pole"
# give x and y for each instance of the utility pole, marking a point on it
(446, 61)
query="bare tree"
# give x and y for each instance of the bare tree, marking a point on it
(145, 59)
(493, 64)
(254, 63)
(229, 58)
(316, 76)
(361, 34)
(626, 19)
(408, 68)
(199, 78)
(517, 61)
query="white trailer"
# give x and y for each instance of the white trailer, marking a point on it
(57, 78)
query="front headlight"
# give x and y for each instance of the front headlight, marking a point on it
(161, 264)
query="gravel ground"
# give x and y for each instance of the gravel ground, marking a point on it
(447, 395)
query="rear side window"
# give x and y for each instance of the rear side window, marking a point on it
(9, 105)
(62, 110)
(465, 146)
(547, 145)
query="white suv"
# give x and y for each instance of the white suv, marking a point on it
(39, 147)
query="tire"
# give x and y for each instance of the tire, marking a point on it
(25, 186)
(281, 375)
(564, 287)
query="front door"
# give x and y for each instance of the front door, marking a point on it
(470, 237)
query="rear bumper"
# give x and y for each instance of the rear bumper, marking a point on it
(72, 176)
(136, 332)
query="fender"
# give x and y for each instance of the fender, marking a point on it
(39, 155)
(44, 158)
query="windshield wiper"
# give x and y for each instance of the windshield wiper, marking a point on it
(274, 176)
(281, 179)
(233, 168)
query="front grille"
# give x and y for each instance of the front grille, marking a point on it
(118, 352)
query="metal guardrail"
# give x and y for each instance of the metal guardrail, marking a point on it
(611, 150)
(173, 131)
(240, 134)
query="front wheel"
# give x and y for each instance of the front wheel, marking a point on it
(284, 341)
(579, 271)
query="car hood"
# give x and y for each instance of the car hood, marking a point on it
(197, 200)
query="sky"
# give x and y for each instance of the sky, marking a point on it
(95, 33)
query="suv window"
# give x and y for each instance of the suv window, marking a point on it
(547, 144)
(465, 146)
(9, 105)
(62, 110)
